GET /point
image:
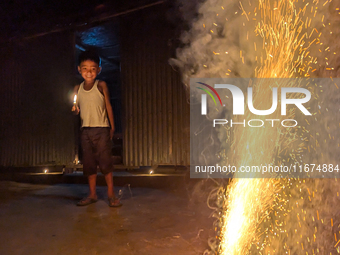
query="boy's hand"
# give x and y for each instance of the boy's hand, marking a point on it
(112, 131)
(75, 110)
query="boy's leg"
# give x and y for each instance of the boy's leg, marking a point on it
(106, 165)
(104, 146)
(109, 182)
(113, 201)
(92, 197)
(92, 179)
(89, 165)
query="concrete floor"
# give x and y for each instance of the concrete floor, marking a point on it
(44, 219)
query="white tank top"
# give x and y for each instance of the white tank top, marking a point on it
(92, 107)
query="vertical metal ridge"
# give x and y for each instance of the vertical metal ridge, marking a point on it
(139, 107)
(164, 116)
(156, 112)
(144, 128)
(154, 116)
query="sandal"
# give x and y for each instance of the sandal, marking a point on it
(86, 201)
(114, 202)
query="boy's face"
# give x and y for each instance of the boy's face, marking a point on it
(89, 70)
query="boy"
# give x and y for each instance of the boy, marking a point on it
(97, 128)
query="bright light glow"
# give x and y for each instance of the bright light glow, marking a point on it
(278, 39)
(75, 99)
(249, 202)
(46, 171)
(151, 171)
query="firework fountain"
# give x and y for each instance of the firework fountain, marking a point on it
(273, 39)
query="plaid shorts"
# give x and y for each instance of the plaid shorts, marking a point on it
(96, 145)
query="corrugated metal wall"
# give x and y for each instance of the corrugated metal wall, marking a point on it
(37, 127)
(156, 111)
(36, 82)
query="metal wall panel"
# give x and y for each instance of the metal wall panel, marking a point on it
(156, 128)
(37, 127)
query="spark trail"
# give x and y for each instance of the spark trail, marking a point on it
(272, 39)
(287, 41)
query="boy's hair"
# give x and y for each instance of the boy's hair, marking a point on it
(89, 55)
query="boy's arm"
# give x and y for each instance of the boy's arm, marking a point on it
(75, 108)
(108, 105)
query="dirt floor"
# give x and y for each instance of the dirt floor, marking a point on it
(44, 219)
